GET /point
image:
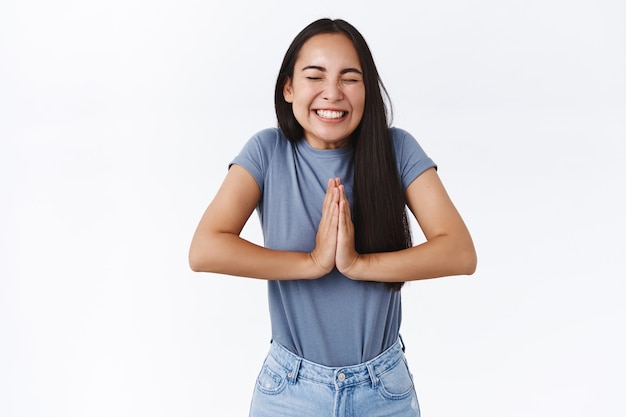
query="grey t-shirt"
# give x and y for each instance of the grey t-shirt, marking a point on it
(333, 321)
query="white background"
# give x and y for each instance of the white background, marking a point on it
(118, 120)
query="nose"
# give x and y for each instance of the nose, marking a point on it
(332, 91)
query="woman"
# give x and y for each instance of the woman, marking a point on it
(331, 185)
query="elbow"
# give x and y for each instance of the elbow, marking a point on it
(460, 257)
(195, 262)
(470, 265)
(468, 260)
(210, 253)
(195, 265)
(199, 258)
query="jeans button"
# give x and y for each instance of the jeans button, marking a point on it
(341, 377)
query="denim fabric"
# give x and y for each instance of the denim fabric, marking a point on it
(289, 386)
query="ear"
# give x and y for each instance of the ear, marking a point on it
(288, 90)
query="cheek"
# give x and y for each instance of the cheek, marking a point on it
(301, 99)
(358, 99)
(360, 103)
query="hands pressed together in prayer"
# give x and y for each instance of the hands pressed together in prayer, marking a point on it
(334, 242)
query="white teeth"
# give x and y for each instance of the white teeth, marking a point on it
(330, 114)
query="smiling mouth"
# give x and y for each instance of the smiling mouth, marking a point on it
(330, 114)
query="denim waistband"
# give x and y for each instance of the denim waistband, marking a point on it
(339, 377)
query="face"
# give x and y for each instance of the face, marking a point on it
(327, 91)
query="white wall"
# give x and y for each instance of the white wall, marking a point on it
(118, 119)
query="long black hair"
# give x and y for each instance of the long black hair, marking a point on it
(379, 206)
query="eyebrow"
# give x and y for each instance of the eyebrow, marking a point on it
(322, 69)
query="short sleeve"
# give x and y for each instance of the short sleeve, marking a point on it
(255, 155)
(411, 159)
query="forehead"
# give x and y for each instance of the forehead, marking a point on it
(329, 49)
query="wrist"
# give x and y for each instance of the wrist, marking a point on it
(354, 269)
(316, 268)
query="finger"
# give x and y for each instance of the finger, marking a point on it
(326, 238)
(346, 253)
(329, 190)
(344, 198)
(345, 221)
(328, 197)
(330, 211)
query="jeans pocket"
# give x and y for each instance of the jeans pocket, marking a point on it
(397, 382)
(272, 378)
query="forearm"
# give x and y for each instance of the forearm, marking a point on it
(226, 253)
(441, 256)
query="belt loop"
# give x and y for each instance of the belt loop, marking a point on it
(373, 377)
(402, 343)
(292, 376)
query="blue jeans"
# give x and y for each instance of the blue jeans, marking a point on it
(290, 386)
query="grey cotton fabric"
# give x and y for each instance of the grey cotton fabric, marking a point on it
(333, 321)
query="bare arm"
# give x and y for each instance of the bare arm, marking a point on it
(448, 249)
(217, 247)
